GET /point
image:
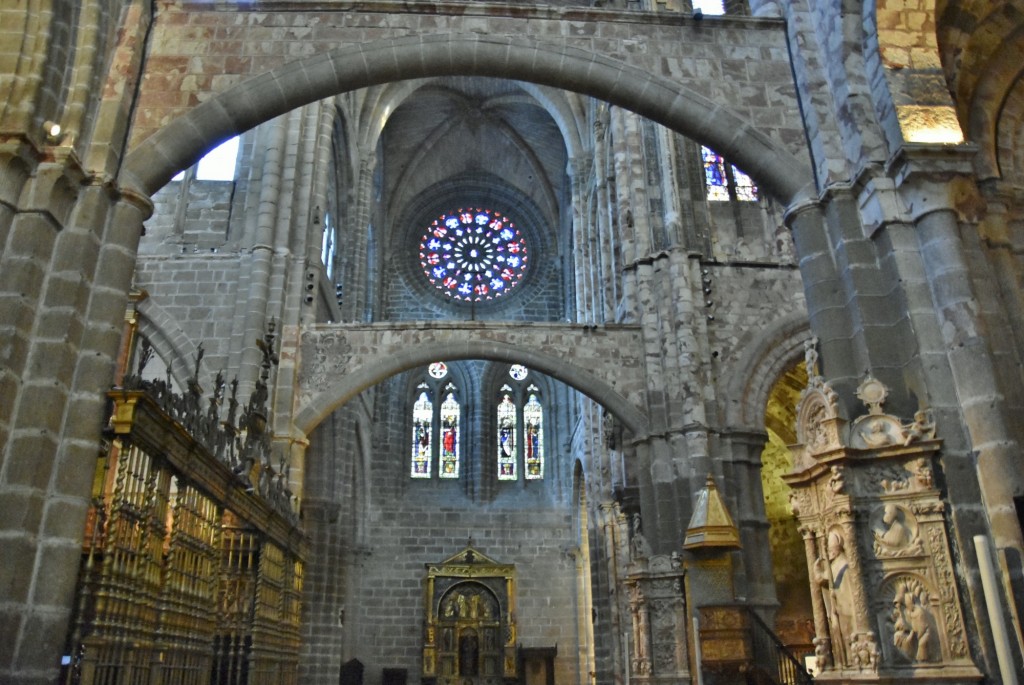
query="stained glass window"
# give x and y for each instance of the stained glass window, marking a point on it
(533, 435)
(724, 181)
(473, 255)
(450, 412)
(507, 456)
(714, 175)
(744, 185)
(422, 432)
(519, 427)
(436, 425)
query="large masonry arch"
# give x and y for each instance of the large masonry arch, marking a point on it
(261, 97)
(342, 361)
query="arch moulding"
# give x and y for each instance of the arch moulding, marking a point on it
(261, 97)
(339, 364)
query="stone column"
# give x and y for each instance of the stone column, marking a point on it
(827, 304)
(357, 305)
(44, 527)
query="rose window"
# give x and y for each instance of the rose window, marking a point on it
(473, 255)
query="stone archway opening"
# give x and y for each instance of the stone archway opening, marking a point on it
(794, 622)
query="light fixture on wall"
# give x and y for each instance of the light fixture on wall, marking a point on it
(52, 130)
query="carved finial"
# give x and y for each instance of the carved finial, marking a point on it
(872, 392)
(200, 352)
(811, 356)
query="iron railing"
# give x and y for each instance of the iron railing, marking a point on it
(772, 657)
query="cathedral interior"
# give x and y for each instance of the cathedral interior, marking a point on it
(482, 342)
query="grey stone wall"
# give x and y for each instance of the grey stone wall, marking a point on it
(375, 531)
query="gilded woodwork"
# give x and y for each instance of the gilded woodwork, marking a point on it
(190, 572)
(470, 628)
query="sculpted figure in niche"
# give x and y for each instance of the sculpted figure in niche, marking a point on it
(896, 534)
(837, 592)
(913, 625)
(641, 548)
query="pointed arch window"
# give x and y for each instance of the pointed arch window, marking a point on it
(422, 432)
(533, 434)
(507, 415)
(520, 428)
(436, 426)
(451, 411)
(723, 181)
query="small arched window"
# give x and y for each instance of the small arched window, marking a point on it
(519, 419)
(436, 425)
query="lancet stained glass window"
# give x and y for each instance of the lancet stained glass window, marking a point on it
(507, 457)
(473, 255)
(519, 428)
(422, 432)
(450, 412)
(724, 181)
(533, 439)
(436, 425)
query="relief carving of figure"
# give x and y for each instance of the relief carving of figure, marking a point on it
(836, 482)
(923, 428)
(914, 630)
(896, 534)
(837, 591)
(641, 549)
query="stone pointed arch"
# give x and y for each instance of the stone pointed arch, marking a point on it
(259, 98)
(761, 363)
(349, 385)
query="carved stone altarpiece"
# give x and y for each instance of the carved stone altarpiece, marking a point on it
(883, 586)
(657, 607)
(470, 631)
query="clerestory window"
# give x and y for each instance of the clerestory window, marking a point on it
(723, 181)
(219, 164)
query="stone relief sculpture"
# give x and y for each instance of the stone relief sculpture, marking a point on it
(884, 593)
(830, 575)
(659, 619)
(895, 532)
(914, 628)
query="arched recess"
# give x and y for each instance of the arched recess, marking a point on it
(351, 383)
(257, 99)
(763, 361)
(979, 43)
(762, 392)
(174, 347)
